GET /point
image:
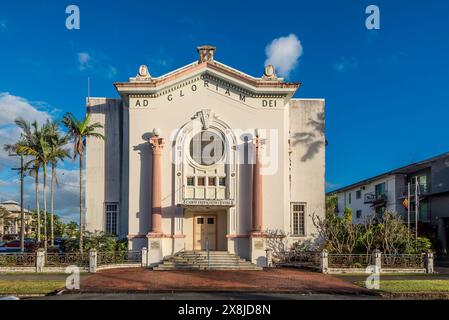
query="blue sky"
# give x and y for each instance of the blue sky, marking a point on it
(387, 90)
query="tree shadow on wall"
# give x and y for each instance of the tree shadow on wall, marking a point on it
(313, 140)
(146, 176)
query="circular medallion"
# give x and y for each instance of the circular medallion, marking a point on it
(207, 148)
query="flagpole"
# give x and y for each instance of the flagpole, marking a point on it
(416, 207)
(408, 208)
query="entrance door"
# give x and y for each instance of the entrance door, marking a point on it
(205, 231)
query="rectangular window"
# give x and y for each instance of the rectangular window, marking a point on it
(201, 182)
(358, 194)
(358, 214)
(298, 223)
(212, 181)
(200, 221)
(222, 182)
(422, 183)
(190, 181)
(350, 197)
(380, 212)
(381, 189)
(111, 213)
(424, 211)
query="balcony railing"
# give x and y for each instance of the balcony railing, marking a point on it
(375, 197)
(424, 189)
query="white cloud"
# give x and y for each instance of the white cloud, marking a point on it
(96, 64)
(83, 59)
(11, 108)
(66, 193)
(284, 53)
(111, 72)
(346, 64)
(332, 186)
(3, 25)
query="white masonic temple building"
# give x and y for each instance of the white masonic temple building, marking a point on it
(206, 157)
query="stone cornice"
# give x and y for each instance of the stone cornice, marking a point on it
(255, 86)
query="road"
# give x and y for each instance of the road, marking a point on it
(206, 296)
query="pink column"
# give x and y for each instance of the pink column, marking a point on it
(257, 190)
(157, 145)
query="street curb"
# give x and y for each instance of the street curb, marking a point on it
(343, 293)
(416, 295)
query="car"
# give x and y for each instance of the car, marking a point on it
(10, 298)
(13, 244)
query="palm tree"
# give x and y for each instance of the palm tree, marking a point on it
(40, 150)
(79, 131)
(57, 152)
(29, 138)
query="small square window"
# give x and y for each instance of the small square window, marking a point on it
(190, 181)
(201, 182)
(210, 221)
(222, 182)
(200, 221)
(212, 181)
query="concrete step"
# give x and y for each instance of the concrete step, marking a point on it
(192, 260)
(205, 255)
(205, 260)
(193, 268)
(206, 264)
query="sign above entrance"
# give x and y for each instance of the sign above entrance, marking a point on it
(207, 203)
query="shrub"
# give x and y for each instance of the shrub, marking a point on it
(97, 240)
(422, 244)
(388, 234)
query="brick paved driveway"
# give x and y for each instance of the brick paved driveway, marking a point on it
(275, 280)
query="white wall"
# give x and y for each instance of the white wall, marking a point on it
(307, 145)
(359, 204)
(102, 161)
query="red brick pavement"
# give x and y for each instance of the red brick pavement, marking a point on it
(274, 280)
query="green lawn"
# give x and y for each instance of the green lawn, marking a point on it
(397, 286)
(24, 287)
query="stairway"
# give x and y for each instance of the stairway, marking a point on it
(197, 260)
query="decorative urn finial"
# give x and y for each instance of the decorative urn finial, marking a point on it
(206, 53)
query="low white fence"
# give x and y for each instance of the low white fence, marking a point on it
(58, 262)
(358, 263)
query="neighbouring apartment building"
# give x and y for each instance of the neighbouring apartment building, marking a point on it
(429, 179)
(205, 156)
(10, 224)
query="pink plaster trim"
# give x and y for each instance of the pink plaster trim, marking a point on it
(136, 236)
(161, 235)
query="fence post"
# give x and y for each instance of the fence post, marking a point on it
(40, 260)
(269, 257)
(377, 259)
(144, 257)
(92, 261)
(324, 261)
(429, 262)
